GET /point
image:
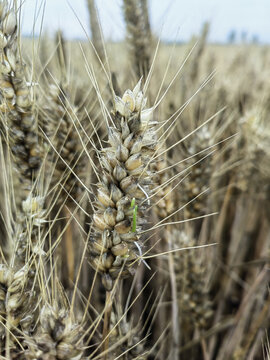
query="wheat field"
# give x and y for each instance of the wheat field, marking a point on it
(135, 195)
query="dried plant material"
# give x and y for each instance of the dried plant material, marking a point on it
(58, 336)
(198, 162)
(164, 202)
(123, 195)
(138, 36)
(16, 102)
(136, 199)
(96, 31)
(194, 303)
(126, 340)
(66, 156)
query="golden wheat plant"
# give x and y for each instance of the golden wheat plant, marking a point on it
(96, 31)
(58, 335)
(22, 267)
(138, 31)
(105, 209)
(247, 243)
(60, 119)
(123, 191)
(24, 213)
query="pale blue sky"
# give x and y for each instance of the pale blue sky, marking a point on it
(171, 19)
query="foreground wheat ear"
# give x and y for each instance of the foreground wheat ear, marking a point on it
(19, 270)
(124, 190)
(16, 103)
(58, 336)
(17, 114)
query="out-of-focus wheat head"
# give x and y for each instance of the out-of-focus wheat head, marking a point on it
(123, 193)
(65, 158)
(138, 36)
(253, 146)
(194, 304)
(128, 338)
(58, 336)
(199, 163)
(97, 37)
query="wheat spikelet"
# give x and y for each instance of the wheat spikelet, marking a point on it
(164, 203)
(122, 194)
(58, 336)
(18, 305)
(28, 230)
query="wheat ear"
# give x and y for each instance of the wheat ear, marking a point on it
(16, 106)
(58, 336)
(17, 112)
(191, 272)
(123, 193)
(96, 31)
(139, 40)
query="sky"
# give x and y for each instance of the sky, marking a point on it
(172, 20)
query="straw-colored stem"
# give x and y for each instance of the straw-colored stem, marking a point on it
(106, 324)
(175, 316)
(69, 249)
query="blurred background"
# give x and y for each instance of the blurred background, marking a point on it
(172, 20)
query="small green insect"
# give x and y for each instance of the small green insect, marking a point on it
(135, 212)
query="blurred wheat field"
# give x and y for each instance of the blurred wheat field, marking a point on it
(135, 192)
